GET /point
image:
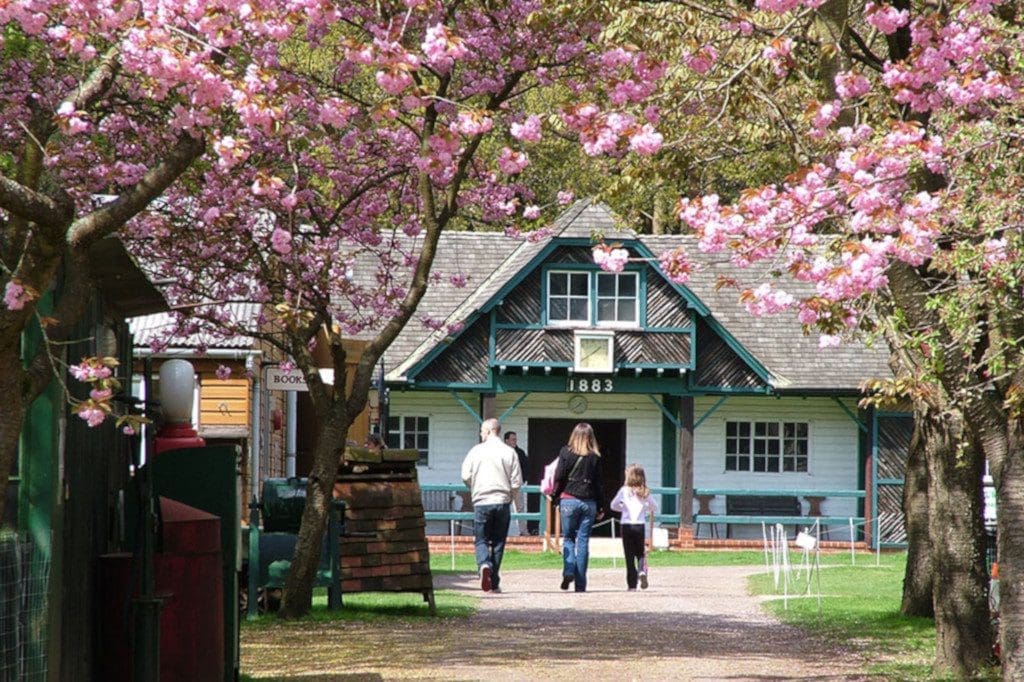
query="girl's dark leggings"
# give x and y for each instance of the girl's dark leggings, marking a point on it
(633, 545)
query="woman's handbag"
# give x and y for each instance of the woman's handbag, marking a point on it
(547, 483)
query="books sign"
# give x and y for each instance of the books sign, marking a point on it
(277, 379)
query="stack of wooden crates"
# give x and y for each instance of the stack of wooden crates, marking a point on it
(384, 548)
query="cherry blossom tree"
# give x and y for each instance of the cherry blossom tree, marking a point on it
(359, 134)
(904, 221)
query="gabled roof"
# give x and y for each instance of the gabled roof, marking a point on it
(492, 260)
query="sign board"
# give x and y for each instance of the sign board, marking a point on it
(277, 379)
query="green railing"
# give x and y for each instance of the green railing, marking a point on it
(663, 515)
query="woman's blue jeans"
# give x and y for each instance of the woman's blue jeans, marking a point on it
(577, 522)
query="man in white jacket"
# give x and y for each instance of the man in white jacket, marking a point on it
(491, 470)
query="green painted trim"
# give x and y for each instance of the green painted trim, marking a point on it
(668, 415)
(849, 413)
(441, 385)
(518, 363)
(670, 426)
(668, 330)
(711, 411)
(785, 520)
(492, 338)
(466, 406)
(513, 407)
(729, 390)
(509, 383)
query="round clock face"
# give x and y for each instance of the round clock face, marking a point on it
(577, 404)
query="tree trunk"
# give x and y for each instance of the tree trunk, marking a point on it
(919, 577)
(11, 417)
(963, 631)
(1010, 499)
(298, 587)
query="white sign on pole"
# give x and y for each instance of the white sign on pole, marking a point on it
(277, 379)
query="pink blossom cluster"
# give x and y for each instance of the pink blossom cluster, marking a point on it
(611, 258)
(702, 60)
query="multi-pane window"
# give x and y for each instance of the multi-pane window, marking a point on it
(410, 433)
(766, 447)
(617, 298)
(568, 297)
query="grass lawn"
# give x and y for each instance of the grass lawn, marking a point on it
(860, 604)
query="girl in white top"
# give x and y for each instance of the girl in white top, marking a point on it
(635, 502)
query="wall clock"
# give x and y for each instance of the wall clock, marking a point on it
(577, 404)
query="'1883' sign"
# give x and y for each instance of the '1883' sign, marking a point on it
(585, 385)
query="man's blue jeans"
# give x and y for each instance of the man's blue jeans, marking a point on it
(577, 522)
(490, 528)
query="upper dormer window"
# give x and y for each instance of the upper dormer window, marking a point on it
(616, 298)
(593, 298)
(569, 297)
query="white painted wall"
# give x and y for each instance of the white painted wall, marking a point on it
(832, 465)
(833, 462)
(453, 431)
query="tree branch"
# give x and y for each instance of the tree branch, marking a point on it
(112, 216)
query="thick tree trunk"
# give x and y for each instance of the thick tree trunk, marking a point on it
(1010, 500)
(11, 378)
(963, 631)
(298, 587)
(919, 578)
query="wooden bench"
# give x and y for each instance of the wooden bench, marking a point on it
(779, 509)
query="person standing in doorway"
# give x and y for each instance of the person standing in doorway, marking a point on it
(635, 502)
(512, 440)
(491, 470)
(580, 502)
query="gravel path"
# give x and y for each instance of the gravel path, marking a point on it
(694, 623)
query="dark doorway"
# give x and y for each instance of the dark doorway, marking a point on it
(547, 436)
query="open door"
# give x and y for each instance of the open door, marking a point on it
(547, 436)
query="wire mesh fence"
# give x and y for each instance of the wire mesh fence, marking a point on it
(24, 583)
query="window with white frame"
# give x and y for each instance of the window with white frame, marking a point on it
(615, 298)
(410, 433)
(568, 296)
(767, 447)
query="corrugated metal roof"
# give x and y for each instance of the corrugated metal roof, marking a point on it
(148, 328)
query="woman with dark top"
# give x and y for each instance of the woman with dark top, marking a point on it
(580, 502)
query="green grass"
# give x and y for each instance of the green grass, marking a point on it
(441, 562)
(860, 604)
(366, 606)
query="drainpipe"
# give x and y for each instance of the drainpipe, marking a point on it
(290, 435)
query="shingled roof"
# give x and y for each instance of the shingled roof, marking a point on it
(490, 260)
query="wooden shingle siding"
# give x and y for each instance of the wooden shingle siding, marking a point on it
(718, 365)
(522, 305)
(665, 308)
(666, 348)
(465, 360)
(533, 345)
(223, 402)
(572, 254)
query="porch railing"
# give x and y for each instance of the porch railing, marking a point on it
(704, 496)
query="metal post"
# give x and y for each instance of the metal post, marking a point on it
(291, 436)
(254, 559)
(146, 649)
